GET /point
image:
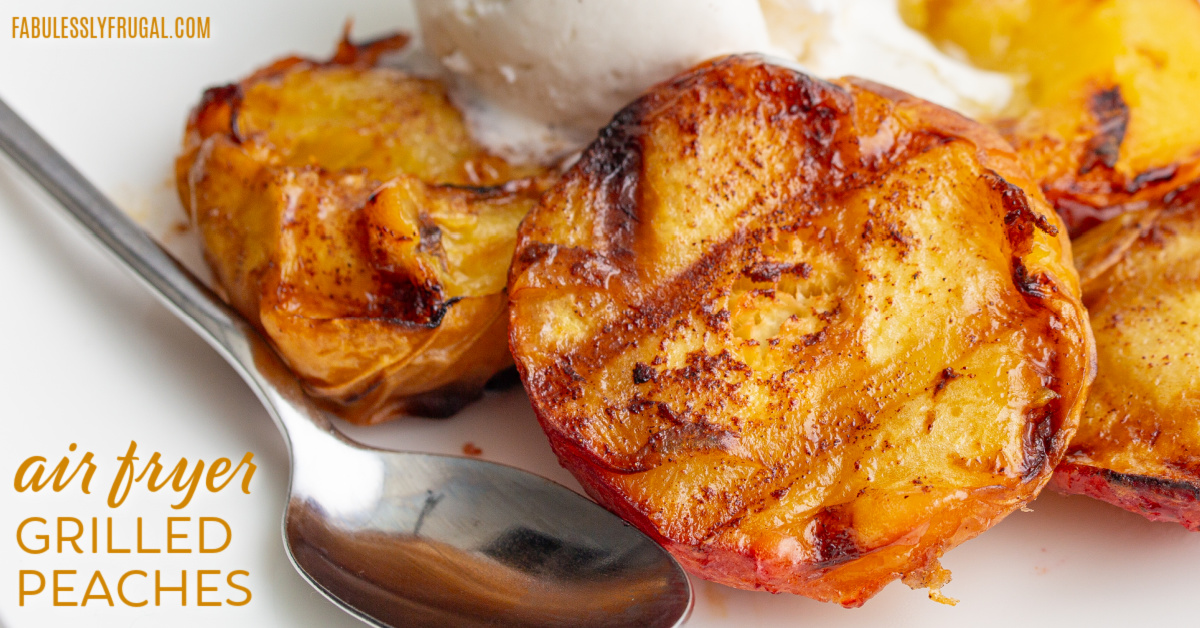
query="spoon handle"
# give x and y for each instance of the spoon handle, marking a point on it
(183, 293)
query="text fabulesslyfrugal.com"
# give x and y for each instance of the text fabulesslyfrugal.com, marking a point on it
(110, 27)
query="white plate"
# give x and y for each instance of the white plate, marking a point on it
(90, 358)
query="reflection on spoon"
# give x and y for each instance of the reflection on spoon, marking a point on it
(525, 577)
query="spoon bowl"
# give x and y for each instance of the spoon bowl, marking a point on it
(397, 538)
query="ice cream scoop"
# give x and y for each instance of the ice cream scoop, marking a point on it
(554, 71)
(538, 78)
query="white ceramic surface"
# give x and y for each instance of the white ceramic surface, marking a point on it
(90, 358)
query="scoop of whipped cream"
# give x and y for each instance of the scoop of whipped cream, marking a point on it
(538, 78)
(542, 76)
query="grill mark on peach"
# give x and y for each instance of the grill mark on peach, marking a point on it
(1112, 118)
(1150, 177)
(613, 164)
(1157, 499)
(1155, 485)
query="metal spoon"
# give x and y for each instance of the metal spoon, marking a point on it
(399, 539)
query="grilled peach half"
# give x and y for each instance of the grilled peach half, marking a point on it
(808, 335)
(1138, 444)
(345, 210)
(1105, 119)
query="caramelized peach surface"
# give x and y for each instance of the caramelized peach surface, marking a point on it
(1105, 114)
(1138, 444)
(346, 211)
(809, 335)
